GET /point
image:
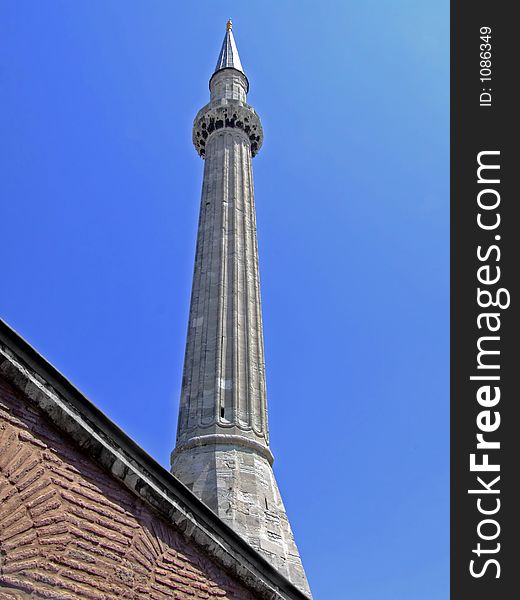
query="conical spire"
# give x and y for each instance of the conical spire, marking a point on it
(228, 57)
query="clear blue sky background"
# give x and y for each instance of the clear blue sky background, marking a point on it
(100, 187)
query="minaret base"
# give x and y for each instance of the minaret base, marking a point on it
(238, 484)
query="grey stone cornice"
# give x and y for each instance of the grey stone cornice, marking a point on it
(109, 446)
(223, 439)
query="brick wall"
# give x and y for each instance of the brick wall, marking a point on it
(69, 530)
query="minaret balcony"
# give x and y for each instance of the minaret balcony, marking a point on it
(227, 114)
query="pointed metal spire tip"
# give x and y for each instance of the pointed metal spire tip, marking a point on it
(228, 57)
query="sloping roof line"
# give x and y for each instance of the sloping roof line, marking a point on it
(108, 445)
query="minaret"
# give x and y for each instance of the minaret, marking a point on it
(222, 451)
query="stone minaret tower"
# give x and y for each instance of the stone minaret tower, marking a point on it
(222, 451)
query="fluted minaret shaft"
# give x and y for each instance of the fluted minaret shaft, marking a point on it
(222, 450)
(223, 386)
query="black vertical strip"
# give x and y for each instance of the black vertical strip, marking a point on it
(484, 121)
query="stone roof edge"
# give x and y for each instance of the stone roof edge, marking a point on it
(111, 447)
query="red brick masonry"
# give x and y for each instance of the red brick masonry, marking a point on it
(69, 530)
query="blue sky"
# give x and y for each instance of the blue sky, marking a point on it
(100, 188)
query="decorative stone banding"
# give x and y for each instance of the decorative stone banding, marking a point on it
(225, 440)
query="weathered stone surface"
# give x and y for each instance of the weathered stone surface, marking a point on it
(69, 468)
(239, 485)
(222, 451)
(67, 530)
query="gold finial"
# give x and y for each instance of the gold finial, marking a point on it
(229, 25)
